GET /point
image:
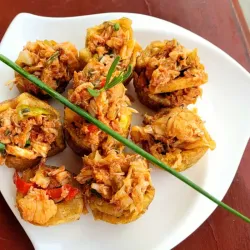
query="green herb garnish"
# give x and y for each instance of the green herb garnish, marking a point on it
(53, 57)
(2, 147)
(89, 181)
(94, 192)
(27, 143)
(94, 92)
(25, 110)
(116, 26)
(123, 76)
(7, 132)
(112, 69)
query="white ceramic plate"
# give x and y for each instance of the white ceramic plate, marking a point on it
(177, 210)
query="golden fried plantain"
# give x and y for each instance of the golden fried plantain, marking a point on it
(29, 130)
(171, 99)
(43, 206)
(117, 187)
(175, 136)
(111, 107)
(113, 37)
(168, 75)
(53, 63)
(103, 210)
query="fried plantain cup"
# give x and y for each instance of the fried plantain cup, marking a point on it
(84, 137)
(175, 136)
(110, 107)
(113, 38)
(53, 63)
(171, 99)
(117, 187)
(29, 130)
(48, 195)
(168, 75)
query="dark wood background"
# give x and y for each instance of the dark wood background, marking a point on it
(219, 21)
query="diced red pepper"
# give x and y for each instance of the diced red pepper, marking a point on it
(102, 83)
(21, 185)
(92, 128)
(56, 193)
(72, 193)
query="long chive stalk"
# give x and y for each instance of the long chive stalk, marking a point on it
(117, 136)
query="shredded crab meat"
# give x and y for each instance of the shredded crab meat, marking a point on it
(169, 75)
(171, 99)
(169, 67)
(20, 152)
(95, 71)
(174, 135)
(120, 180)
(63, 177)
(111, 38)
(99, 106)
(105, 191)
(41, 131)
(85, 176)
(36, 207)
(40, 179)
(110, 107)
(46, 177)
(53, 63)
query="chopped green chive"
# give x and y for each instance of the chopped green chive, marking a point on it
(112, 69)
(2, 147)
(27, 143)
(116, 26)
(94, 192)
(117, 79)
(94, 92)
(89, 181)
(53, 57)
(25, 110)
(7, 132)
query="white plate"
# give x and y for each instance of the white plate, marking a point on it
(177, 210)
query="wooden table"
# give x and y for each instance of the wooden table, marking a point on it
(219, 21)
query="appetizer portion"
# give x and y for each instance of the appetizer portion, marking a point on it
(175, 136)
(48, 195)
(114, 38)
(111, 107)
(29, 130)
(105, 99)
(117, 187)
(53, 63)
(168, 75)
(96, 71)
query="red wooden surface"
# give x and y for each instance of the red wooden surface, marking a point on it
(219, 21)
